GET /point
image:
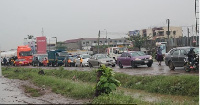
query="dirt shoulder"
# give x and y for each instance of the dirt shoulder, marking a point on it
(13, 92)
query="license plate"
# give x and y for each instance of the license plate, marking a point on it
(146, 61)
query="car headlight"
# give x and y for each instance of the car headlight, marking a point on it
(150, 57)
(137, 59)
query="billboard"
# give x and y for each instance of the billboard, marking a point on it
(41, 45)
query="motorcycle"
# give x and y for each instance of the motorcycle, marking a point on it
(188, 65)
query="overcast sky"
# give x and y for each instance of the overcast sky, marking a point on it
(69, 19)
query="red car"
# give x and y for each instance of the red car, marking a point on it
(21, 62)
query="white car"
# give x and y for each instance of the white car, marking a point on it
(85, 58)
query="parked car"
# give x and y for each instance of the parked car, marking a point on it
(69, 60)
(99, 59)
(21, 62)
(175, 57)
(38, 59)
(134, 59)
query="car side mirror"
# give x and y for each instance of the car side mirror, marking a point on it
(129, 56)
(96, 58)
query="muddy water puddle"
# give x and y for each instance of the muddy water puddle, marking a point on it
(12, 93)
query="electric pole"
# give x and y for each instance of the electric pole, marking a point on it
(188, 37)
(168, 27)
(98, 41)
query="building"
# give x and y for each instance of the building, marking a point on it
(161, 32)
(87, 43)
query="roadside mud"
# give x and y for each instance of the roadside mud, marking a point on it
(12, 92)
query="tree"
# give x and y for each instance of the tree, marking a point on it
(138, 41)
(61, 46)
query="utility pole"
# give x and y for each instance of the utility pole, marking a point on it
(42, 32)
(168, 27)
(188, 37)
(98, 41)
(0, 63)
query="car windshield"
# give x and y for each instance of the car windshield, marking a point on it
(62, 53)
(25, 53)
(102, 56)
(86, 56)
(133, 54)
(196, 50)
(141, 53)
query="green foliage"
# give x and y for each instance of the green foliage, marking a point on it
(116, 98)
(107, 82)
(185, 85)
(138, 41)
(33, 92)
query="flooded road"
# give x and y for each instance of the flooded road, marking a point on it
(140, 70)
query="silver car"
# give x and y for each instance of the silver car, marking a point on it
(99, 59)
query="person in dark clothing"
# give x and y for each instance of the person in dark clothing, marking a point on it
(4, 61)
(191, 55)
(159, 56)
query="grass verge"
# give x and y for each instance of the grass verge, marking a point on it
(61, 82)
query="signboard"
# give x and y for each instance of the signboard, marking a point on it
(41, 45)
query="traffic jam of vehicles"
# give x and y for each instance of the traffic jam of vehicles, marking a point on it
(114, 56)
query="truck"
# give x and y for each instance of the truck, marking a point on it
(115, 52)
(25, 52)
(56, 57)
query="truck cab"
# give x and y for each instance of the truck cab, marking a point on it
(56, 57)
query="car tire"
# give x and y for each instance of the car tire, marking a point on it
(149, 64)
(186, 67)
(90, 65)
(120, 65)
(15, 65)
(38, 64)
(113, 65)
(133, 64)
(171, 66)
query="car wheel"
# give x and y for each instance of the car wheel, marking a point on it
(120, 65)
(15, 65)
(113, 65)
(149, 64)
(186, 67)
(38, 64)
(33, 64)
(171, 66)
(82, 65)
(133, 64)
(90, 65)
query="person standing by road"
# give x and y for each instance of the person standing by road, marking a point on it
(159, 56)
(81, 61)
(4, 61)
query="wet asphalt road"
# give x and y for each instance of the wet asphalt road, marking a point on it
(140, 70)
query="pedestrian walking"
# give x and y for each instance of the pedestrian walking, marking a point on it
(159, 56)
